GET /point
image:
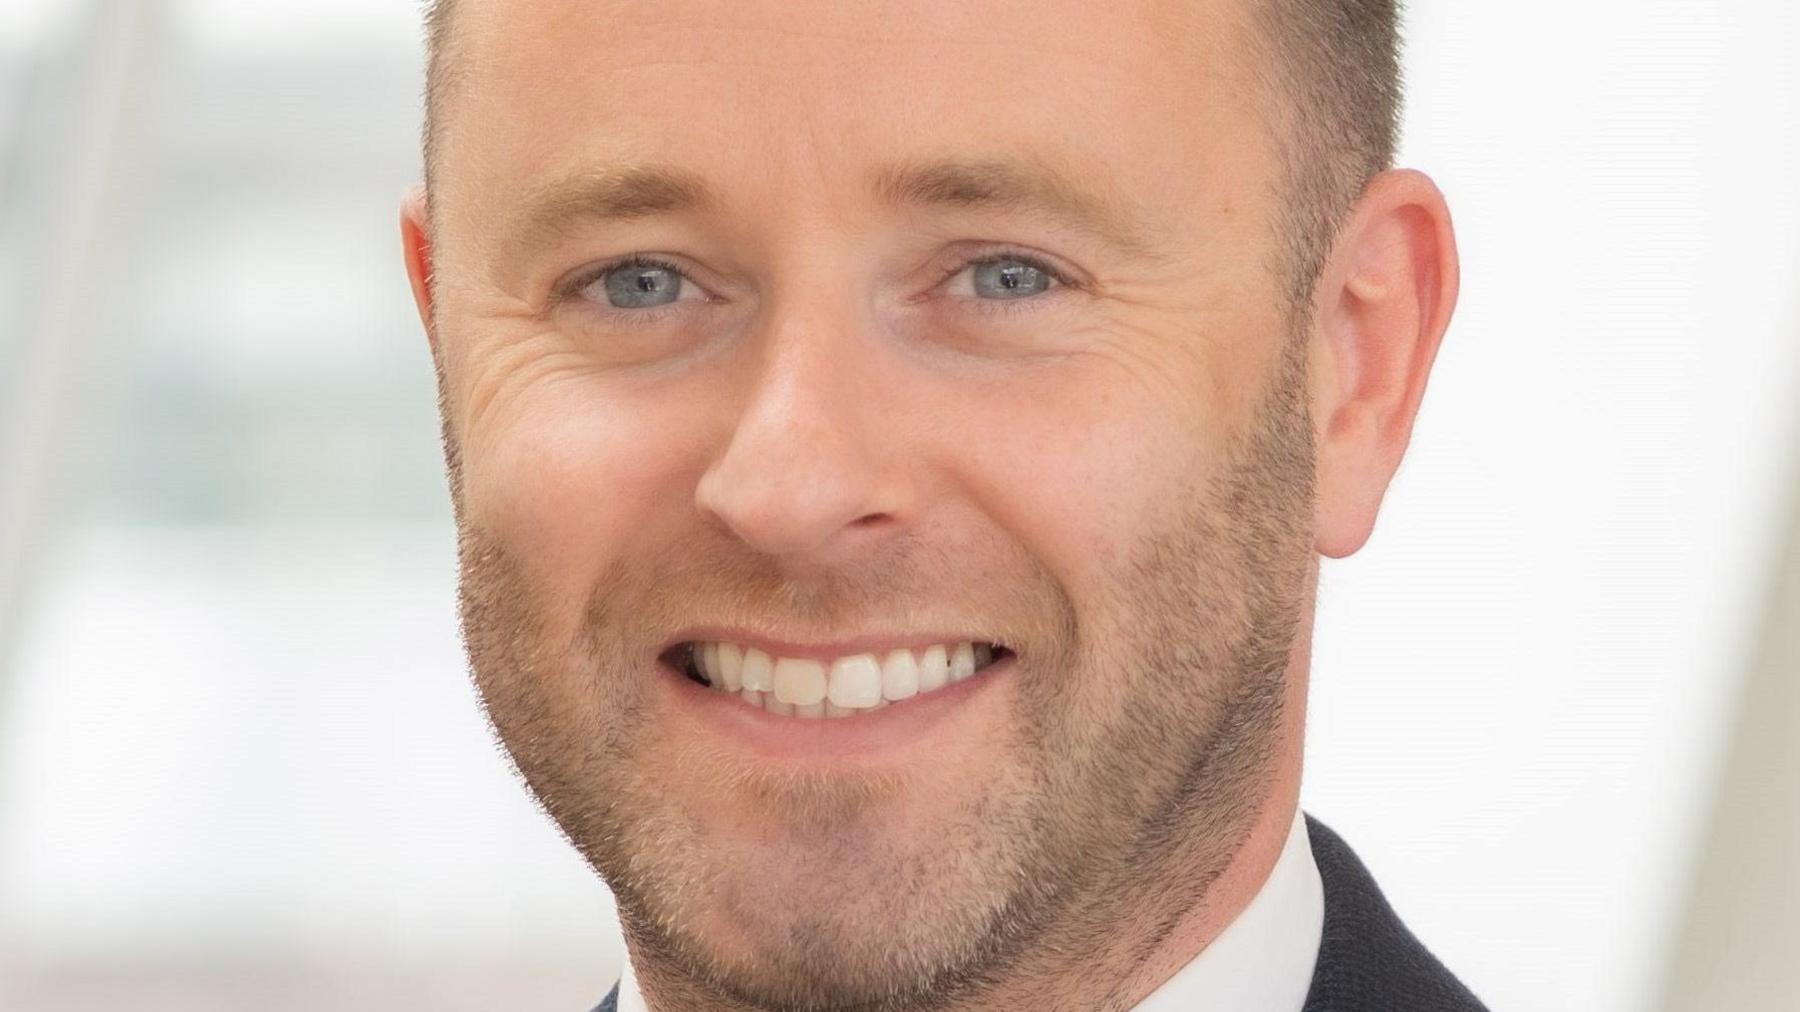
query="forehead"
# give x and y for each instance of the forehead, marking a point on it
(1154, 95)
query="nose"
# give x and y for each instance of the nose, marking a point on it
(809, 469)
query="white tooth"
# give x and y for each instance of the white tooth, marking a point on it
(731, 665)
(962, 662)
(934, 669)
(834, 710)
(899, 675)
(751, 696)
(984, 655)
(800, 682)
(709, 662)
(757, 671)
(856, 681)
(776, 706)
(809, 710)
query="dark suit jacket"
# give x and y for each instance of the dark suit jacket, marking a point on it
(1368, 961)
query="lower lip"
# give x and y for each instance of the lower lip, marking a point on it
(867, 736)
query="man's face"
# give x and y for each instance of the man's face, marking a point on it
(951, 325)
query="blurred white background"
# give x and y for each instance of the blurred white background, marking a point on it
(240, 761)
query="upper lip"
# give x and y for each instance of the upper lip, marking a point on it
(823, 649)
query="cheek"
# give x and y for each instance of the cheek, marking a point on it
(1077, 463)
(573, 472)
(1097, 474)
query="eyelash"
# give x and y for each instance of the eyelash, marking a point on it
(1005, 307)
(572, 289)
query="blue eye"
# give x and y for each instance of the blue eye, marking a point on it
(638, 283)
(1009, 278)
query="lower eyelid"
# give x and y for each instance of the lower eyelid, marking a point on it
(610, 315)
(1045, 301)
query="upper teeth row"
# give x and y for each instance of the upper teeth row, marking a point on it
(802, 686)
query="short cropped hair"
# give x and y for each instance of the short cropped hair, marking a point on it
(1335, 62)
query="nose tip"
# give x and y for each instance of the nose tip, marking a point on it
(795, 494)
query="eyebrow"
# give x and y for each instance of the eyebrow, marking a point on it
(1022, 187)
(622, 194)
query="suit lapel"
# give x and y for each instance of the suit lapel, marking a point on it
(1368, 960)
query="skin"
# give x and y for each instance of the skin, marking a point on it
(1127, 481)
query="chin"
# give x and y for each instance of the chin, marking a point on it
(830, 890)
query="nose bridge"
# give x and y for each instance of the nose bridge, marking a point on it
(801, 469)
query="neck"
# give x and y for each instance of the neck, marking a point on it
(1155, 928)
(1146, 962)
(1142, 962)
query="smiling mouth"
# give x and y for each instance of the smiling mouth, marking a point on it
(844, 686)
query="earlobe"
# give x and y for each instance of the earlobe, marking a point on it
(1382, 305)
(415, 243)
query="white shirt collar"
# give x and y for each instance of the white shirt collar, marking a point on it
(1262, 960)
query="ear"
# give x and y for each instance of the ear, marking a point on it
(415, 244)
(1380, 310)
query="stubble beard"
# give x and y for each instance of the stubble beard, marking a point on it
(1119, 802)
